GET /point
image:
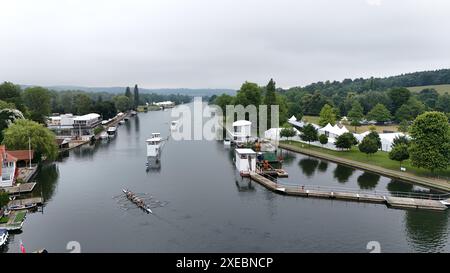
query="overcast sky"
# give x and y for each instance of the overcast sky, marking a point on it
(218, 43)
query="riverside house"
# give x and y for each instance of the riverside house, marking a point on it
(8, 166)
(74, 127)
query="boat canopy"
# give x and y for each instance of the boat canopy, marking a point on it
(3, 232)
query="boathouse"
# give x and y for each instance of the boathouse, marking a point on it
(245, 160)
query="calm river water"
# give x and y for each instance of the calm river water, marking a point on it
(208, 209)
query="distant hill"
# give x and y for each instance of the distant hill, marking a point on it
(163, 91)
(360, 85)
(440, 88)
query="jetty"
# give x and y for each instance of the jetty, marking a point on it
(400, 200)
(27, 202)
(21, 188)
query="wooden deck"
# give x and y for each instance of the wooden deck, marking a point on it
(22, 188)
(26, 201)
(391, 201)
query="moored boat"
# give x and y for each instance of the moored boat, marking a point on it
(174, 125)
(3, 237)
(111, 131)
(104, 135)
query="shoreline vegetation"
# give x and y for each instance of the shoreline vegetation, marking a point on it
(378, 163)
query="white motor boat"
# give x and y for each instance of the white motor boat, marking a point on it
(104, 135)
(174, 125)
(226, 142)
(3, 237)
(111, 131)
(122, 122)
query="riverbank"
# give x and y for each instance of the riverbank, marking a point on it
(439, 184)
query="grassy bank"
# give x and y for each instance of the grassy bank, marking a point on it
(380, 159)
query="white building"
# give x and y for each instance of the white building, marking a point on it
(165, 104)
(245, 160)
(70, 126)
(241, 132)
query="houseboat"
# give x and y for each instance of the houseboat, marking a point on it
(133, 113)
(154, 145)
(245, 161)
(3, 237)
(241, 132)
(112, 131)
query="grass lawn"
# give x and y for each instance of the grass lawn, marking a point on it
(380, 159)
(4, 220)
(20, 216)
(359, 129)
(440, 88)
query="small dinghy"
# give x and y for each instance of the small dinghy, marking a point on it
(137, 201)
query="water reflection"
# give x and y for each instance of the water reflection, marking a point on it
(47, 177)
(368, 181)
(399, 186)
(288, 157)
(308, 166)
(342, 173)
(427, 231)
(323, 166)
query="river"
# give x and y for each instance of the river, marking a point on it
(208, 208)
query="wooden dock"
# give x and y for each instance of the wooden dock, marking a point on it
(414, 203)
(26, 201)
(22, 188)
(348, 195)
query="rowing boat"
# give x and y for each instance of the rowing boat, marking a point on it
(137, 201)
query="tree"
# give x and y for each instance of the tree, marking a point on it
(398, 96)
(443, 103)
(6, 105)
(128, 93)
(379, 113)
(400, 140)
(327, 115)
(37, 99)
(323, 139)
(403, 126)
(136, 97)
(82, 104)
(249, 94)
(355, 114)
(8, 117)
(345, 141)
(107, 109)
(4, 198)
(399, 153)
(122, 103)
(12, 93)
(429, 97)
(368, 145)
(376, 137)
(287, 132)
(42, 139)
(430, 145)
(309, 133)
(269, 100)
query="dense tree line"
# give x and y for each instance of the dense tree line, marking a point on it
(37, 102)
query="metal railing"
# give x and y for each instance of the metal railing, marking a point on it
(418, 195)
